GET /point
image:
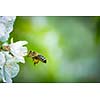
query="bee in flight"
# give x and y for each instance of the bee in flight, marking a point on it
(36, 57)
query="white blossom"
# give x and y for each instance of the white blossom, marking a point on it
(9, 59)
(10, 54)
(9, 67)
(18, 50)
(6, 26)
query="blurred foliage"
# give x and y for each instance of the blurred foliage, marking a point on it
(70, 44)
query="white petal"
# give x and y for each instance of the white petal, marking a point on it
(19, 43)
(2, 29)
(20, 59)
(18, 50)
(2, 59)
(8, 18)
(6, 26)
(7, 77)
(12, 69)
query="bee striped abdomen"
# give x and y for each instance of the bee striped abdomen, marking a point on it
(42, 58)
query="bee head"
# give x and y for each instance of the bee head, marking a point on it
(30, 54)
(34, 53)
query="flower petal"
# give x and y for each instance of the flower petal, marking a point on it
(18, 50)
(12, 69)
(2, 59)
(6, 26)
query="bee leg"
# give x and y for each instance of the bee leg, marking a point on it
(34, 63)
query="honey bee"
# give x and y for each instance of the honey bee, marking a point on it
(37, 57)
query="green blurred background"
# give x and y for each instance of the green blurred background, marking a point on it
(70, 44)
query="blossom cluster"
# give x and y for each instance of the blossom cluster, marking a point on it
(10, 53)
